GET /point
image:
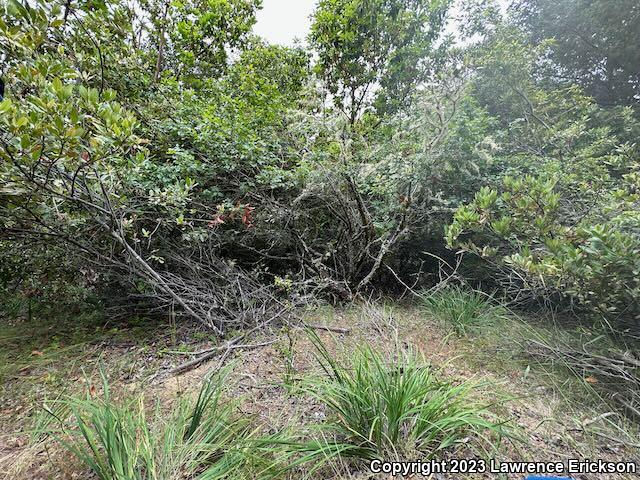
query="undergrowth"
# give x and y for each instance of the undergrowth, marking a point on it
(201, 438)
(396, 409)
(461, 309)
(542, 354)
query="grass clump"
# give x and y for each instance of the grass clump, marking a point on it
(201, 438)
(396, 409)
(462, 309)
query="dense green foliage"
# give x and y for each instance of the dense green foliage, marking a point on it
(157, 159)
(558, 220)
(161, 155)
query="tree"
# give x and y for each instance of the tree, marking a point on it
(373, 50)
(200, 34)
(595, 44)
(284, 69)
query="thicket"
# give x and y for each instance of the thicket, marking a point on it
(158, 156)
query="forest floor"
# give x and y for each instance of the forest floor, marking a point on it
(553, 416)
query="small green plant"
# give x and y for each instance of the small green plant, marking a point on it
(203, 438)
(396, 409)
(288, 355)
(461, 309)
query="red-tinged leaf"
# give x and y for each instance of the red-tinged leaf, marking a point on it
(247, 216)
(219, 220)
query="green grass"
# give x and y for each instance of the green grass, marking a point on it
(395, 410)
(202, 439)
(38, 357)
(463, 310)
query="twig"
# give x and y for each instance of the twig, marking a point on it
(605, 436)
(225, 347)
(328, 328)
(228, 348)
(213, 352)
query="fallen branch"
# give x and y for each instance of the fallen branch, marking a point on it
(208, 354)
(231, 345)
(617, 375)
(225, 347)
(328, 328)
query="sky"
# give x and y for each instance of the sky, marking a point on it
(282, 21)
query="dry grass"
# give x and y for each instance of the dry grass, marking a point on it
(550, 424)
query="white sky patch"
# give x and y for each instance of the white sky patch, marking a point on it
(284, 21)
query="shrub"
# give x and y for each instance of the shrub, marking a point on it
(396, 409)
(530, 233)
(462, 309)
